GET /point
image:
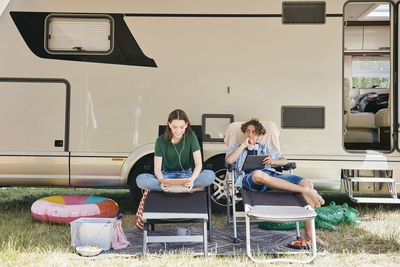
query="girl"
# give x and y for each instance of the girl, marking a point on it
(172, 157)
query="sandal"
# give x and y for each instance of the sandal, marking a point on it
(300, 243)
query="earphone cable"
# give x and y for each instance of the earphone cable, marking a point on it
(180, 152)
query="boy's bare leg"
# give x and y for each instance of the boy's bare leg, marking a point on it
(307, 224)
(305, 187)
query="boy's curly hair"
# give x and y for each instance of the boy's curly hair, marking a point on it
(259, 127)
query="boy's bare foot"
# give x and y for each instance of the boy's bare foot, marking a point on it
(312, 196)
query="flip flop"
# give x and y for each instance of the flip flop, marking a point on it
(300, 243)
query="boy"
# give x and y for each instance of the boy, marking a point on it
(268, 178)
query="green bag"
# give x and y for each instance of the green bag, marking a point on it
(331, 214)
(325, 225)
(279, 226)
(326, 218)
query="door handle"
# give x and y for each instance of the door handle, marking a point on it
(58, 143)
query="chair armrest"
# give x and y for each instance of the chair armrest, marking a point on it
(231, 167)
(289, 166)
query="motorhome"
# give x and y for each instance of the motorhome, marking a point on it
(84, 86)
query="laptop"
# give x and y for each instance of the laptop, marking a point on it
(253, 162)
(179, 181)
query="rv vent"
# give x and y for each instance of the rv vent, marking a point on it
(295, 12)
(303, 117)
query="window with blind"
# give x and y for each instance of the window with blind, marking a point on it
(79, 34)
(371, 72)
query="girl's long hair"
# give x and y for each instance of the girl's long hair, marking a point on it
(177, 114)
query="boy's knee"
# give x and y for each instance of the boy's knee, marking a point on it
(257, 176)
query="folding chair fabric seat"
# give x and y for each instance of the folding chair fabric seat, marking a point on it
(190, 207)
(161, 205)
(277, 206)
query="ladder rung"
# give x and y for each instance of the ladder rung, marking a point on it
(376, 200)
(371, 179)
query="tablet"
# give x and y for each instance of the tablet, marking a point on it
(253, 162)
(181, 181)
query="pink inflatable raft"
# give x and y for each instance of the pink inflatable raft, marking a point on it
(65, 209)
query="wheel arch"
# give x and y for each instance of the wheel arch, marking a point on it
(135, 160)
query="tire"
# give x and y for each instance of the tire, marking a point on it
(220, 187)
(136, 195)
(144, 165)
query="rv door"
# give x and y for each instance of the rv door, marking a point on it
(368, 69)
(34, 132)
(396, 127)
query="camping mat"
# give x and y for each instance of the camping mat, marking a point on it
(262, 241)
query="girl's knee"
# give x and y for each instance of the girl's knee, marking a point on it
(206, 177)
(144, 180)
(140, 179)
(210, 175)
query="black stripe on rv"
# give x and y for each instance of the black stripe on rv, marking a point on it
(31, 26)
(171, 15)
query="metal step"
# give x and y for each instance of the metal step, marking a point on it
(370, 180)
(376, 200)
(390, 182)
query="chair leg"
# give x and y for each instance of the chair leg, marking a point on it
(314, 240)
(145, 229)
(235, 240)
(298, 230)
(248, 242)
(205, 244)
(228, 207)
(210, 235)
(250, 255)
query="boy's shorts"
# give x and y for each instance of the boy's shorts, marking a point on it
(250, 185)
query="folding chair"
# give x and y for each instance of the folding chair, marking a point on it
(271, 206)
(172, 210)
(161, 208)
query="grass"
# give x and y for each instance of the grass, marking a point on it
(25, 241)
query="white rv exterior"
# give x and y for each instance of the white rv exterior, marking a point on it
(212, 57)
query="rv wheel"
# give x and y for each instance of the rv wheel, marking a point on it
(144, 165)
(136, 194)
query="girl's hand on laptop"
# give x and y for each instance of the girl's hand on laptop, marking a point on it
(189, 184)
(164, 186)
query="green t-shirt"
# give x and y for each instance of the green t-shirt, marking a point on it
(166, 150)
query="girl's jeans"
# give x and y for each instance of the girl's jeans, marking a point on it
(149, 181)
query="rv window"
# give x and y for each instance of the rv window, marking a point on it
(371, 72)
(215, 125)
(79, 35)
